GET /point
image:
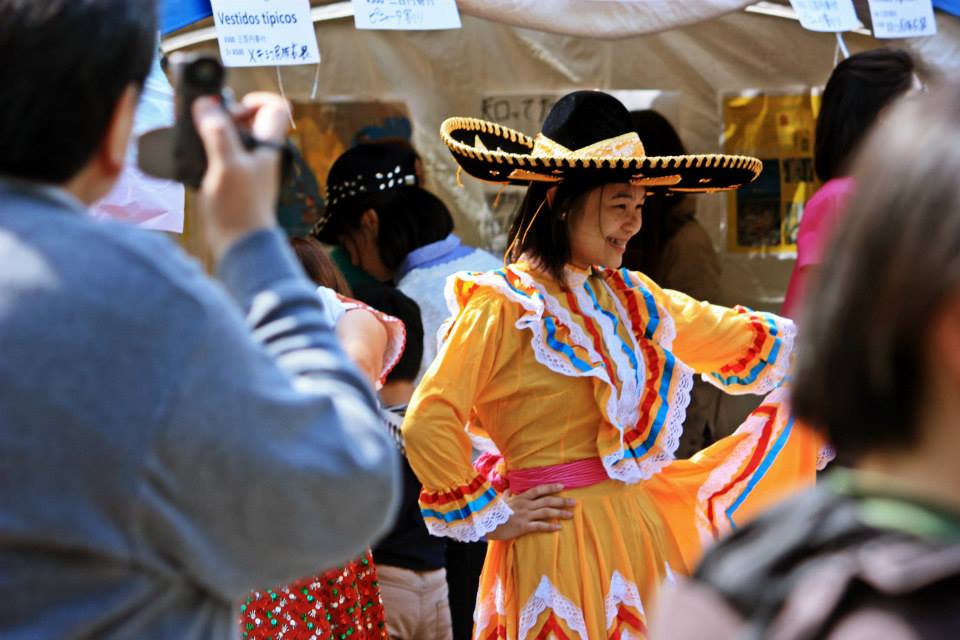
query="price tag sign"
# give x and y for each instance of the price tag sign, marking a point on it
(902, 18)
(406, 15)
(264, 33)
(826, 15)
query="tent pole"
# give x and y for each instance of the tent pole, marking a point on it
(842, 46)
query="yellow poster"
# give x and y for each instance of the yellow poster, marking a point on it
(778, 127)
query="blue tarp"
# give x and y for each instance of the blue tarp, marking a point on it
(950, 6)
(177, 14)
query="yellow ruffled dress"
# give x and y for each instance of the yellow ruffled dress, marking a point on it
(547, 376)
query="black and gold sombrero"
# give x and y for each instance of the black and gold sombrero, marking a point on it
(588, 135)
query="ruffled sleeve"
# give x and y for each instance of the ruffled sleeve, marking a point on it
(457, 501)
(738, 350)
(336, 306)
(396, 334)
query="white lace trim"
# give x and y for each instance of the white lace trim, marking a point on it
(396, 334)
(487, 608)
(497, 283)
(473, 527)
(628, 396)
(774, 373)
(548, 597)
(481, 443)
(632, 471)
(825, 456)
(725, 471)
(622, 591)
(667, 331)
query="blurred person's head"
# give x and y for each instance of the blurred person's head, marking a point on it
(659, 223)
(69, 84)
(879, 358)
(318, 265)
(859, 88)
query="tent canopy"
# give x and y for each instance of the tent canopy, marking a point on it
(443, 73)
(593, 18)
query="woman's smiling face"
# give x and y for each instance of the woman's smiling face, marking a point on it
(600, 227)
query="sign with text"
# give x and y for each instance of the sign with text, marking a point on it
(902, 18)
(406, 15)
(826, 15)
(264, 33)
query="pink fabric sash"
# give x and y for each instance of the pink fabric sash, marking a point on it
(572, 475)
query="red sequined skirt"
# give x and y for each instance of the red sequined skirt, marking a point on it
(342, 604)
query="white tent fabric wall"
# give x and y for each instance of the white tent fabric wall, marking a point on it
(439, 74)
(599, 18)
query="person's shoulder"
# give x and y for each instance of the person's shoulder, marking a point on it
(117, 263)
(497, 291)
(740, 564)
(691, 232)
(827, 201)
(487, 260)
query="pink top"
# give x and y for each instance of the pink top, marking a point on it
(820, 217)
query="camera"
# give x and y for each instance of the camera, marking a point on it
(176, 153)
(193, 77)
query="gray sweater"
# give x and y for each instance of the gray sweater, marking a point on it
(156, 461)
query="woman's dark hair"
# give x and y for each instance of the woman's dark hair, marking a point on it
(348, 216)
(659, 222)
(857, 91)
(412, 218)
(318, 265)
(862, 369)
(538, 229)
(65, 65)
(409, 218)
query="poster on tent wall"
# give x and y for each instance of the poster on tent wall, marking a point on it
(778, 127)
(525, 112)
(324, 131)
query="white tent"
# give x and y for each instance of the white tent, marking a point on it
(718, 47)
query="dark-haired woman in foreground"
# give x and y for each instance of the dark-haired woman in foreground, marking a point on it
(578, 374)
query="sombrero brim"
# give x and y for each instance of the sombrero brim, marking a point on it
(505, 157)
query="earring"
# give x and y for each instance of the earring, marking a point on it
(563, 215)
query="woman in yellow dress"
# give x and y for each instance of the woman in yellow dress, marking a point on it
(570, 371)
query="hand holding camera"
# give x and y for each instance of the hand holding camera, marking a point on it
(233, 155)
(238, 193)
